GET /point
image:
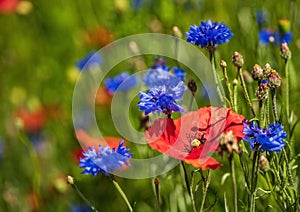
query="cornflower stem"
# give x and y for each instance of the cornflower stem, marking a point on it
(156, 184)
(289, 172)
(235, 96)
(274, 107)
(205, 188)
(261, 110)
(287, 89)
(254, 174)
(191, 190)
(216, 78)
(81, 195)
(119, 189)
(228, 86)
(231, 164)
(36, 179)
(245, 92)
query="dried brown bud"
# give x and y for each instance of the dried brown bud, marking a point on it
(228, 143)
(192, 86)
(238, 60)
(262, 91)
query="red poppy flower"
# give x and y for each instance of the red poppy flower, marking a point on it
(195, 135)
(32, 121)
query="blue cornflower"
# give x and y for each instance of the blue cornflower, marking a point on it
(261, 17)
(156, 100)
(162, 79)
(209, 34)
(270, 139)
(105, 160)
(80, 208)
(92, 59)
(267, 36)
(122, 82)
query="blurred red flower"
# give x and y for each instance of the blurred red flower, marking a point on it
(31, 121)
(195, 135)
(8, 6)
(98, 36)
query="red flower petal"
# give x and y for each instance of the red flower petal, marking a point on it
(173, 137)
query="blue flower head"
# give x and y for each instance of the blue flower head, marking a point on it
(105, 160)
(158, 101)
(209, 34)
(162, 79)
(267, 36)
(122, 82)
(92, 59)
(270, 139)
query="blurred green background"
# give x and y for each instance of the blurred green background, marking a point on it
(41, 41)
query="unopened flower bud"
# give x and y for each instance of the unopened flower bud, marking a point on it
(235, 81)
(267, 70)
(160, 61)
(285, 52)
(70, 180)
(237, 60)
(228, 143)
(262, 90)
(145, 121)
(192, 86)
(264, 164)
(284, 26)
(274, 80)
(176, 32)
(257, 72)
(223, 64)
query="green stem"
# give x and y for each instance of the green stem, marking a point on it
(206, 184)
(244, 88)
(274, 107)
(231, 163)
(156, 183)
(191, 191)
(186, 178)
(36, 179)
(235, 95)
(228, 86)
(119, 189)
(289, 173)
(216, 78)
(254, 174)
(287, 90)
(74, 186)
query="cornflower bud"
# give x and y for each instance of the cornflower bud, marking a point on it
(257, 72)
(238, 60)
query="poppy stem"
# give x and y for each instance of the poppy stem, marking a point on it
(119, 189)
(205, 188)
(186, 178)
(156, 183)
(231, 164)
(191, 190)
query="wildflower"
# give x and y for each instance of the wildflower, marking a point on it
(267, 36)
(274, 80)
(285, 52)
(98, 37)
(122, 82)
(209, 34)
(105, 160)
(237, 60)
(8, 6)
(261, 17)
(262, 90)
(264, 164)
(195, 135)
(156, 100)
(257, 72)
(270, 139)
(229, 144)
(92, 59)
(192, 86)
